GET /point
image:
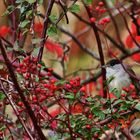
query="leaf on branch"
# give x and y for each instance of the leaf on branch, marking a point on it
(9, 10)
(137, 106)
(36, 40)
(30, 1)
(88, 2)
(70, 96)
(24, 23)
(2, 96)
(53, 18)
(75, 8)
(51, 31)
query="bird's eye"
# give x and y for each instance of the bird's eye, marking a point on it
(114, 62)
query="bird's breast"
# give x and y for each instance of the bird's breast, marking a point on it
(120, 79)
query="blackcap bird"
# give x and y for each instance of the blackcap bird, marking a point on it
(121, 75)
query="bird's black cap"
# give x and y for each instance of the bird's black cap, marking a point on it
(113, 62)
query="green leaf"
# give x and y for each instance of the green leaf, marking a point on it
(2, 96)
(35, 51)
(16, 46)
(60, 82)
(75, 8)
(123, 107)
(42, 63)
(36, 40)
(95, 129)
(51, 31)
(109, 80)
(88, 2)
(137, 106)
(70, 96)
(101, 115)
(116, 92)
(30, 1)
(40, 1)
(53, 18)
(25, 31)
(37, 79)
(9, 10)
(24, 23)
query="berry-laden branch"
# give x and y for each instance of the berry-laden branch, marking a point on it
(124, 50)
(100, 50)
(19, 90)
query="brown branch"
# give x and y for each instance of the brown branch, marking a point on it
(100, 50)
(127, 134)
(45, 26)
(21, 94)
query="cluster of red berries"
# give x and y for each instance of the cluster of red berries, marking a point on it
(73, 85)
(131, 90)
(104, 21)
(100, 10)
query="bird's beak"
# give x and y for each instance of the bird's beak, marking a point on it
(104, 66)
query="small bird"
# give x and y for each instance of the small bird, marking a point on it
(120, 75)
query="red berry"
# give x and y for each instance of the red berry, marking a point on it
(1, 133)
(35, 59)
(125, 89)
(132, 87)
(50, 69)
(38, 89)
(53, 81)
(101, 3)
(123, 95)
(134, 96)
(49, 73)
(21, 64)
(88, 126)
(39, 65)
(18, 70)
(83, 89)
(68, 86)
(128, 122)
(97, 8)
(102, 11)
(46, 85)
(33, 97)
(96, 135)
(133, 93)
(20, 103)
(90, 116)
(92, 20)
(26, 59)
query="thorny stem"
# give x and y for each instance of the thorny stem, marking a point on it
(21, 94)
